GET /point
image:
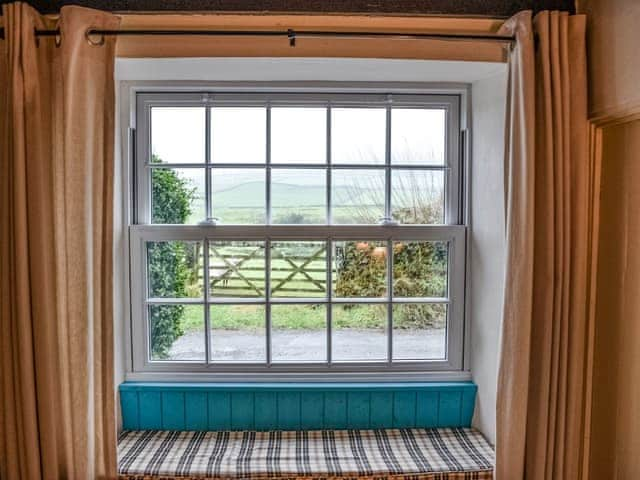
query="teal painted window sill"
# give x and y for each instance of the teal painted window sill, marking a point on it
(295, 406)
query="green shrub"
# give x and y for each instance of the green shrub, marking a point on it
(291, 218)
(419, 271)
(420, 268)
(170, 265)
(172, 197)
(360, 273)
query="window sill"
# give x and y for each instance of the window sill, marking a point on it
(306, 377)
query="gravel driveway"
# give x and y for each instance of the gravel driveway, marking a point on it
(305, 345)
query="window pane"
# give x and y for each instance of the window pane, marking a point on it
(298, 196)
(298, 135)
(419, 331)
(174, 269)
(358, 135)
(239, 195)
(177, 135)
(420, 269)
(238, 333)
(357, 196)
(177, 195)
(359, 332)
(417, 136)
(417, 196)
(238, 134)
(360, 269)
(298, 333)
(177, 332)
(236, 269)
(298, 269)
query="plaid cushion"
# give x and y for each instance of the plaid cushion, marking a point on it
(412, 454)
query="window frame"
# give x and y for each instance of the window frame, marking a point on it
(454, 231)
(450, 103)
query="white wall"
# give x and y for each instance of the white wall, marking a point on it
(121, 252)
(219, 69)
(487, 244)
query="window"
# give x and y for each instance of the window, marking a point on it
(297, 232)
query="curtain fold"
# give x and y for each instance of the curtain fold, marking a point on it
(57, 405)
(541, 384)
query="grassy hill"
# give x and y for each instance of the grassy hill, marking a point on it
(251, 194)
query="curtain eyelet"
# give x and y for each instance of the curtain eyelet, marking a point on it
(93, 38)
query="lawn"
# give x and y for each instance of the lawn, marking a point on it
(293, 317)
(252, 317)
(305, 317)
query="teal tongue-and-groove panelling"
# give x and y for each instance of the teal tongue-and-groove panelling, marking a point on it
(308, 406)
(295, 406)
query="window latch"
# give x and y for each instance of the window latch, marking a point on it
(388, 222)
(209, 221)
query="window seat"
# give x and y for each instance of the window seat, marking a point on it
(391, 454)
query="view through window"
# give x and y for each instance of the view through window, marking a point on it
(297, 230)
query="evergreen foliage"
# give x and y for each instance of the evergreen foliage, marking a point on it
(169, 268)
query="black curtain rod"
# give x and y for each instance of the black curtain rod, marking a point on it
(290, 34)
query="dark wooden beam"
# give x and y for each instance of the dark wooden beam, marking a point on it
(482, 8)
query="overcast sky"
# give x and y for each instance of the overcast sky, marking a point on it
(298, 135)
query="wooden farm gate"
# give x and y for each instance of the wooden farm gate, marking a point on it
(243, 274)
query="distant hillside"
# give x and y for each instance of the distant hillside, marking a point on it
(252, 193)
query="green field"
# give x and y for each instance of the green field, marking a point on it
(246, 278)
(245, 204)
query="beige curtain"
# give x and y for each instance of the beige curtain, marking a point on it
(57, 416)
(541, 390)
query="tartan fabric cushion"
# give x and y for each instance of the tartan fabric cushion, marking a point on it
(416, 454)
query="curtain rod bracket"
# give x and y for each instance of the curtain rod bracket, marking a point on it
(291, 35)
